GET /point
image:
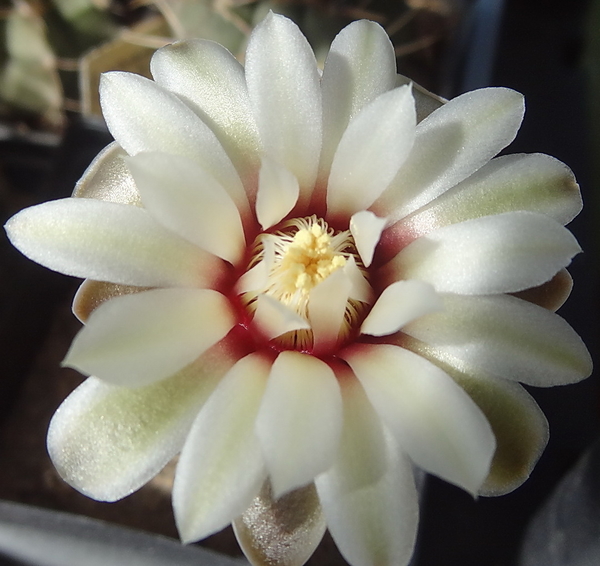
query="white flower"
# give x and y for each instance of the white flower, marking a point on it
(300, 280)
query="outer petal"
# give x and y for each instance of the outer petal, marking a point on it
(520, 427)
(506, 337)
(360, 66)
(142, 116)
(451, 144)
(283, 531)
(494, 254)
(190, 202)
(399, 304)
(371, 150)
(108, 178)
(278, 192)
(552, 294)
(110, 242)
(369, 495)
(221, 469)
(435, 421)
(212, 83)
(136, 339)
(299, 421)
(108, 441)
(283, 84)
(535, 182)
(91, 294)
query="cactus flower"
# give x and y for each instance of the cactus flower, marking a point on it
(307, 284)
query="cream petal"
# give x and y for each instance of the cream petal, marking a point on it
(452, 143)
(278, 192)
(502, 336)
(136, 339)
(434, 420)
(282, 532)
(91, 294)
(534, 182)
(360, 66)
(399, 304)
(211, 82)
(274, 318)
(299, 421)
(326, 309)
(520, 427)
(426, 101)
(494, 254)
(163, 123)
(284, 90)
(361, 289)
(371, 151)
(221, 469)
(362, 459)
(185, 199)
(108, 441)
(108, 178)
(366, 229)
(368, 495)
(256, 278)
(552, 294)
(110, 242)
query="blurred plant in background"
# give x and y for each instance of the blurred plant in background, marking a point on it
(53, 51)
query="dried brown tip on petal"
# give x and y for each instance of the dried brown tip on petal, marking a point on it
(550, 295)
(284, 532)
(91, 294)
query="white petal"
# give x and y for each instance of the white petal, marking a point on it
(369, 495)
(190, 202)
(372, 149)
(142, 116)
(366, 229)
(221, 469)
(274, 318)
(108, 178)
(212, 83)
(361, 289)
(534, 182)
(451, 144)
(360, 66)
(300, 420)
(434, 420)
(110, 242)
(399, 304)
(136, 339)
(326, 308)
(520, 428)
(256, 279)
(107, 441)
(494, 254)
(505, 337)
(283, 84)
(278, 192)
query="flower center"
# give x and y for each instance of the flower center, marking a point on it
(304, 259)
(288, 264)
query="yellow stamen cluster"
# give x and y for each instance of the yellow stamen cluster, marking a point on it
(309, 259)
